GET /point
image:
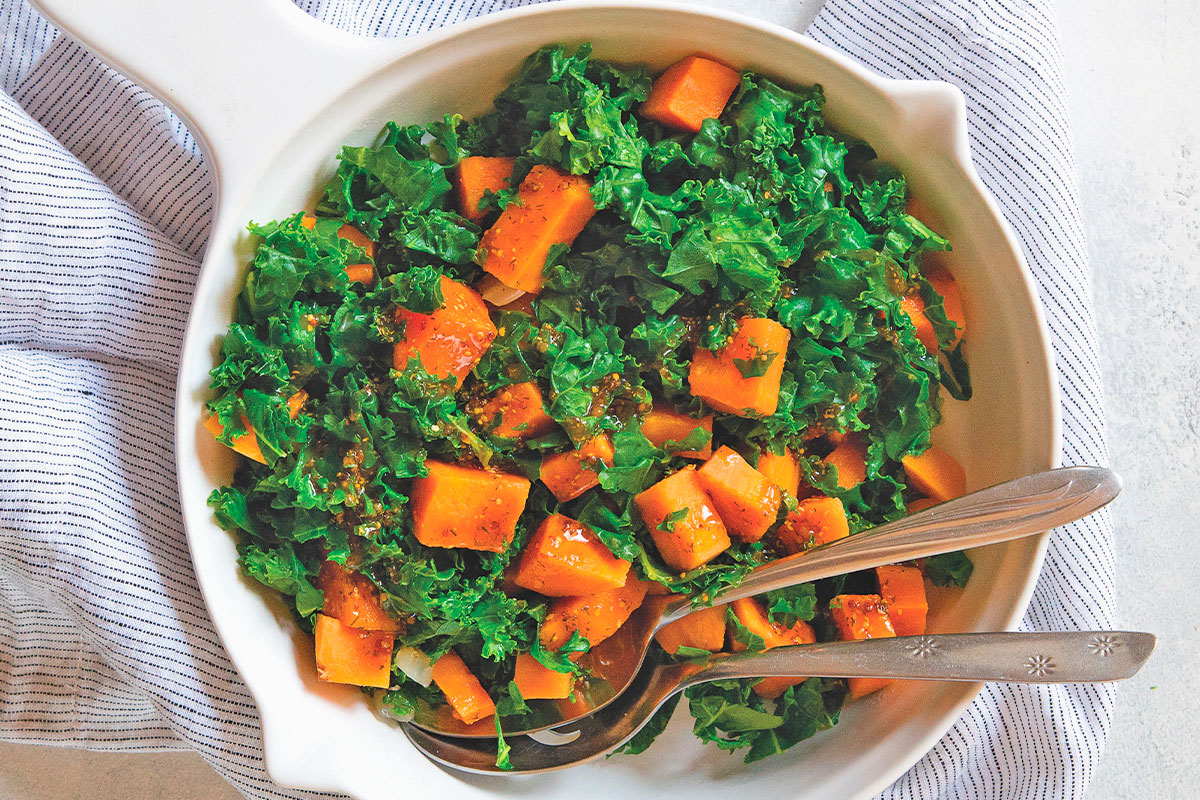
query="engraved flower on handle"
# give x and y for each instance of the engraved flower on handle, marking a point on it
(1039, 665)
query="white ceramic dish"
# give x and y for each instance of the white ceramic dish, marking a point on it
(272, 94)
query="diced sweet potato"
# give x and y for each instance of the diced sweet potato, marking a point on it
(861, 616)
(745, 498)
(554, 209)
(936, 474)
(817, 520)
(364, 273)
(758, 346)
(698, 536)
(914, 308)
(452, 339)
(564, 558)
(903, 592)
(464, 692)
(945, 285)
(516, 411)
(476, 509)
(476, 175)
(850, 460)
(753, 617)
(692, 90)
(596, 616)
(247, 443)
(664, 424)
(570, 474)
(536, 682)
(920, 504)
(703, 629)
(352, 655)
(782, 470)
(353, 600)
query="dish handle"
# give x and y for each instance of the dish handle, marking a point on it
(244, 75)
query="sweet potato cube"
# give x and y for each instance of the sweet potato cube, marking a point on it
(352, 655)
(920, 504)
(464, 692)
(476, 509)
(943, 282)
(554, 209)
(246, 444)
(537, 682)
(753, 617)
(745, 498)
(782, 470)
(936, 474)
(849, 458)
(914, 308)
(692, 90)
(703, 629)
(817, 520)
(353, 600)
(698, 535)
(564, 558)
(664, 424)
(476, 175)
(903, 592)
(364, 273)
(570, 474)
(516, 411)
(596, 616)
(861, 616)
(452, 339)
(759, 347)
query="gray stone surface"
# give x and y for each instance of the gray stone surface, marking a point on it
(1133, 78)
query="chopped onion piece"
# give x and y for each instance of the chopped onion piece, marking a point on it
(415, 664)
(495, 292)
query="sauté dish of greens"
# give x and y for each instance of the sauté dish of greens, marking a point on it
(622, 334)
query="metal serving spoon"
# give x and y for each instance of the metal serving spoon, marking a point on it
(1010, 510)
(1067, 657)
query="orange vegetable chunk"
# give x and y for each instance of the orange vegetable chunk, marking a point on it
(936, 474)
(745, 498)
(596, 616)
(463, 690)
(716, 379)
(570, 474)
(903, 592)
(946, 286)
(537, 682)
(247, 443)
(452, 339)
(753, 617)
(703, 629)
(364, 273)
(564, 558)
(664, 424)
(850, 460)
(692, 90)
(554, 209)
(352, 655)
(476, 175)
(861, 616)
(817, 520)
(782, 470)
(352, 599)
(698, 536)
(520, 412)
(475, 509)
(920, 504)
(914, 307)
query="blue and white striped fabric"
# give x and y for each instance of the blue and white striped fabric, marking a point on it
(104, 203)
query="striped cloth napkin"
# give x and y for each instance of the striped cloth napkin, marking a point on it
(104, 197)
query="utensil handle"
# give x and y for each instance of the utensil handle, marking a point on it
(1062, 657)
(1010, 510)
(243, 74)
